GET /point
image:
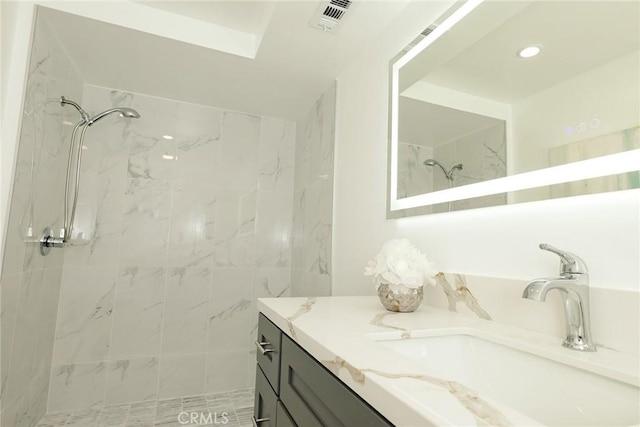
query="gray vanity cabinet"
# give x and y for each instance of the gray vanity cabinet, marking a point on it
(306, 394)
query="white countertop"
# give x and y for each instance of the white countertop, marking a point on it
(337, 331)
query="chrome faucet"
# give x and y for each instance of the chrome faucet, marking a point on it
(573, 285)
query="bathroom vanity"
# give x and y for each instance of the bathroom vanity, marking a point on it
(292, 388)
(347, 361)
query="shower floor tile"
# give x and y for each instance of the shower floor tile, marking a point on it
(231, 409)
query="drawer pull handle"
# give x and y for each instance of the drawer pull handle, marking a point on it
(255, 421)
(263, 350)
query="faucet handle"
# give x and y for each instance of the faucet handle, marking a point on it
(569, 263)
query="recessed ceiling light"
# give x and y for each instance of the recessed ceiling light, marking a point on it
(169, 137)
(529, 51)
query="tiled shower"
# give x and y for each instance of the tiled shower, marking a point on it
(186, 216)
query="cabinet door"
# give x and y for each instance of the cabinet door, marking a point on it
(315, 397)
(283, 419)
(264, 408)
(268, 350)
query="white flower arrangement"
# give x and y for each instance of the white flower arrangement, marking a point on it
(401, 263)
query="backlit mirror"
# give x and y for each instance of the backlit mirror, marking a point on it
(501, 102)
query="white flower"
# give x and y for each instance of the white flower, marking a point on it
(400, 263)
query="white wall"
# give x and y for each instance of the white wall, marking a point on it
(501, 241)
(608, 93)
(16, 29)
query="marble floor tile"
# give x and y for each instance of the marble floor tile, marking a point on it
(83, 418)
(113, 416)
(242, 398)
(244, 416)
(231, 409)
(54, 420)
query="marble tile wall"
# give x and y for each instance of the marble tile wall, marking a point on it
(414, 177)
(482, 153)
(185, 219)
(313, 199)
(30, 283)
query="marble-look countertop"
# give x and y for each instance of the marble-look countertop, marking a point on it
(337, 331)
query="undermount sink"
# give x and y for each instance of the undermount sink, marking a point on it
(545, 390)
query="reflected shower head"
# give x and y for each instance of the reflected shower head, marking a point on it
(449, 174)
(126, 112)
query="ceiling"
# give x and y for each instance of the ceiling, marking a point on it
(293, 64)
(431, 125)
(247, 16)
(479, 55)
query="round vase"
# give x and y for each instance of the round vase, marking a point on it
(400, 298)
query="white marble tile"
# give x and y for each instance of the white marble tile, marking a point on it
(97, 228)
(84, 321)
(413, 176)
(113, 416)
(297, 229)
(24, 361)
(273, 229)
(186, 310)
(77, 386)
(198, 144)
(142, 414)
(10, 286)
(20, 413)
(191, 235)
(30, 282)
(239, 144)
(301, 161)
(317, 227)
(138, 312)
(45, 310)
(106, 144)
(227, 370)
(272, 282)
(235, 228)
(230, 309)
(277, 154)
(182, 375)
(145, 222)
(301, 283)
(131, 380)
(83, 418)
(320, 133)
(55, 419)
(151, 157)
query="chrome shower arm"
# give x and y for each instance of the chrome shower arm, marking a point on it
(83, 113)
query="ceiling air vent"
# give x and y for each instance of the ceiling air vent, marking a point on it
(420, 37)
(330, 14)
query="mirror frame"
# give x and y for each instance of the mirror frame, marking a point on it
(613, 164)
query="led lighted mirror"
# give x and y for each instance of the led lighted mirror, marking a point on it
(477, 119)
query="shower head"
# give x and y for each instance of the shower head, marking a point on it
(126, 112)
(449, 174)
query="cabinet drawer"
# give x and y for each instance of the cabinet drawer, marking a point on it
(264, 408)
(283, 419)
(268, 351)
(315, 397)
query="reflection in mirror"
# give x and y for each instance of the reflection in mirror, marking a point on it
(514, 87)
